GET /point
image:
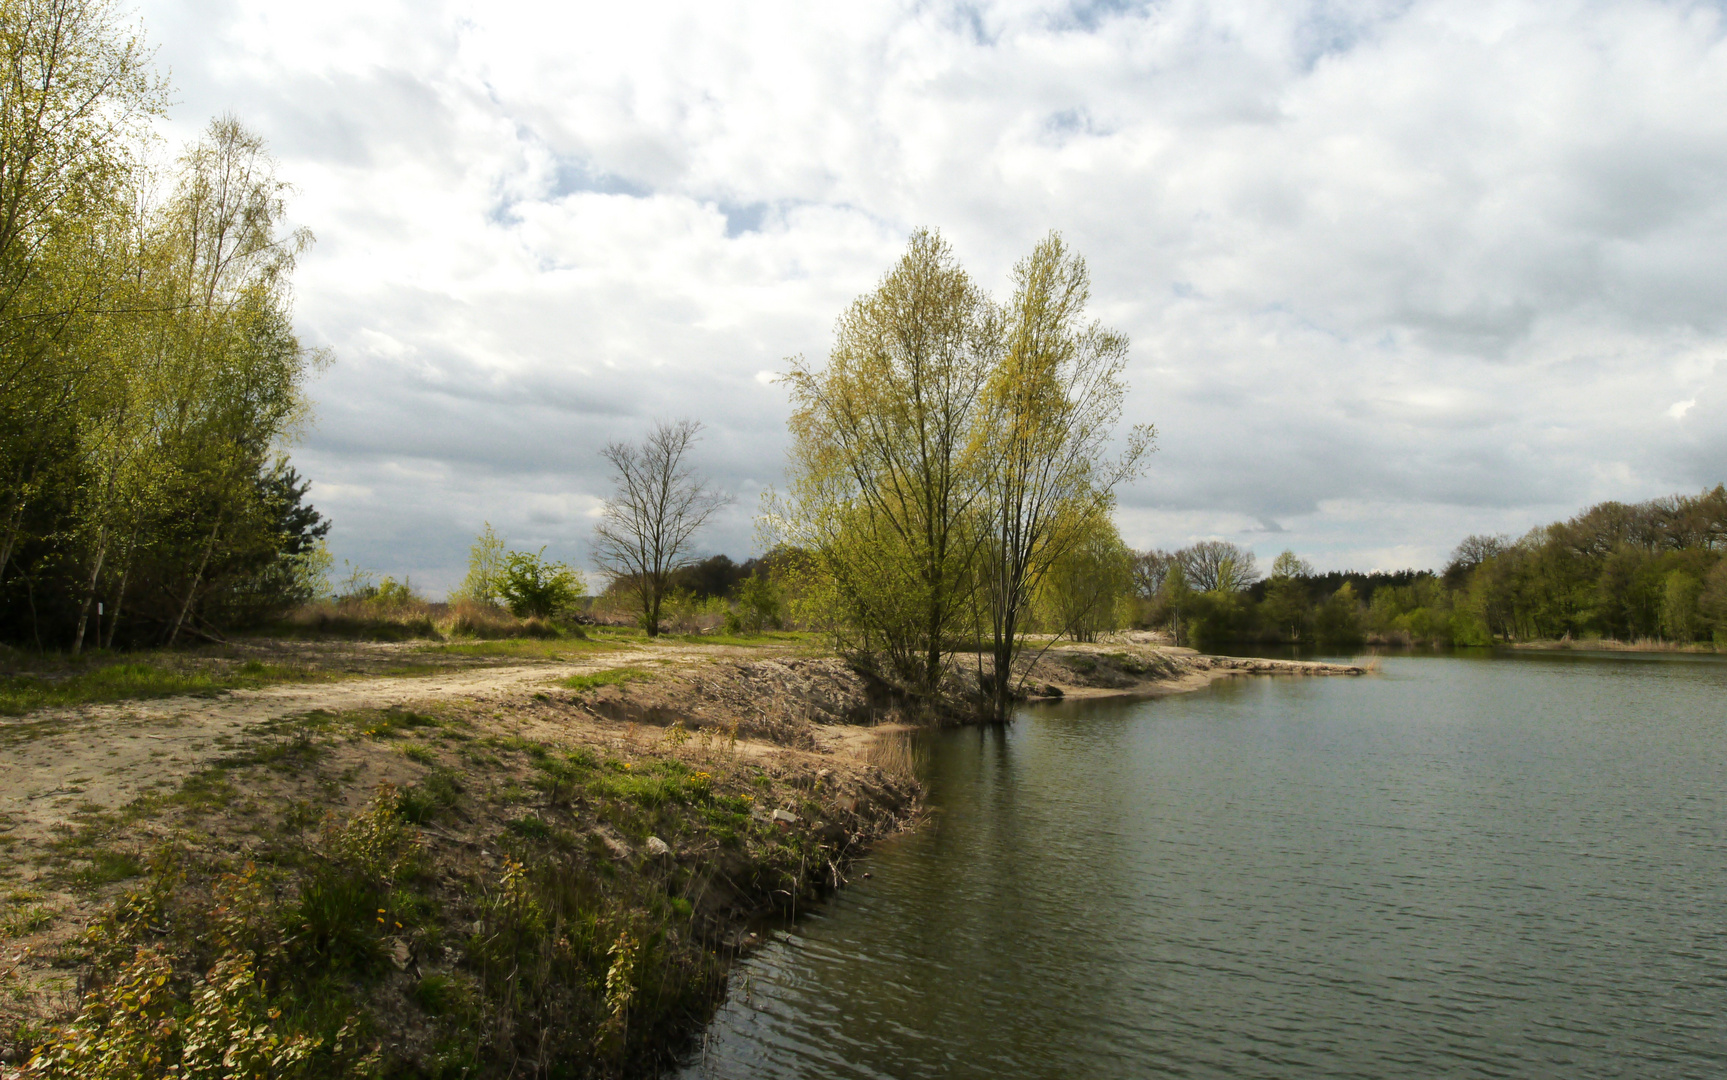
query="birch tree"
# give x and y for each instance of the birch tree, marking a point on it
(237, 366)
(76, 96)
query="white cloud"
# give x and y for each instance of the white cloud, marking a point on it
(1394, 272)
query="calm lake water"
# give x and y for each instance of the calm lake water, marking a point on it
(1492, 867)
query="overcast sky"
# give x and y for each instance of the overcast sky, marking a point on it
(1393, 272)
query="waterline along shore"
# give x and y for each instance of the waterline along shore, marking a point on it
(1284, 877)
(552, 859)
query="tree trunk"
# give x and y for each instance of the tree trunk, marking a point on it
(119, 599)
(932, 662)
(90, 594)
(197, 578)
(30, 595)
(1003, 677)
(13, 521)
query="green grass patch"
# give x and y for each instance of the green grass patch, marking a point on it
(653, 785)
(107, 867)
(25, 920)
(204, 791)
(609, 677)
(22, 694)
(434, 795)
(392, 723)
(519, 648)
(530, 828)
(425, 755)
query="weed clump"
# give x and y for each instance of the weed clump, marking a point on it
(609, 677)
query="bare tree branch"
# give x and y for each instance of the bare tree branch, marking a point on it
(658, 503)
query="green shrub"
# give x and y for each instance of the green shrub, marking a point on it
(335, 923)
(422, 802)
(533, 586)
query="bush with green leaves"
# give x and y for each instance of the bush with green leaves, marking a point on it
(534, 586)
(761, 605)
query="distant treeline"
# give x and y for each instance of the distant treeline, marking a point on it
(149, 372)
(1647, 571)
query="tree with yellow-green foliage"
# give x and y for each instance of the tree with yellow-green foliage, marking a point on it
(76, 98)
(949, 454)
(486, 566)
(1052, 405)
(1286, 605)
(1089, 588)
(886, 477)
(149, 372)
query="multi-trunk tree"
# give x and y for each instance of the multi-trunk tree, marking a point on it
(948, 455)
(886, 481)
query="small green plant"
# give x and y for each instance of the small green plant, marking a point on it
(422, 802)
(25, 920)
(334, 922)
(108, 866)
(445, 995)
(609, 677)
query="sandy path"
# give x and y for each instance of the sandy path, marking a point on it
(57, 761)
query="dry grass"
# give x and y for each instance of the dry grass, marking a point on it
(410, 620)
(894, 753)
(1642, 645)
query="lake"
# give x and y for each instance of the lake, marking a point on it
(1503, 867)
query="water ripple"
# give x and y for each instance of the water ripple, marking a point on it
(1504, 869)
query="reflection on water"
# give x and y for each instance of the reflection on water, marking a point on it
(1506, 867)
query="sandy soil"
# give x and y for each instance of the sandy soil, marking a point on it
(1138, 664)
(55, 762)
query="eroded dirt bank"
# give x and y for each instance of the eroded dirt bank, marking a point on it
(478, 872)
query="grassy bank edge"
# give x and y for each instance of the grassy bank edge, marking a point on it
(480, 840)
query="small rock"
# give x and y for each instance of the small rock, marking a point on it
(658, 847)
(614, 845)
(785, 817)
(1052, 690)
